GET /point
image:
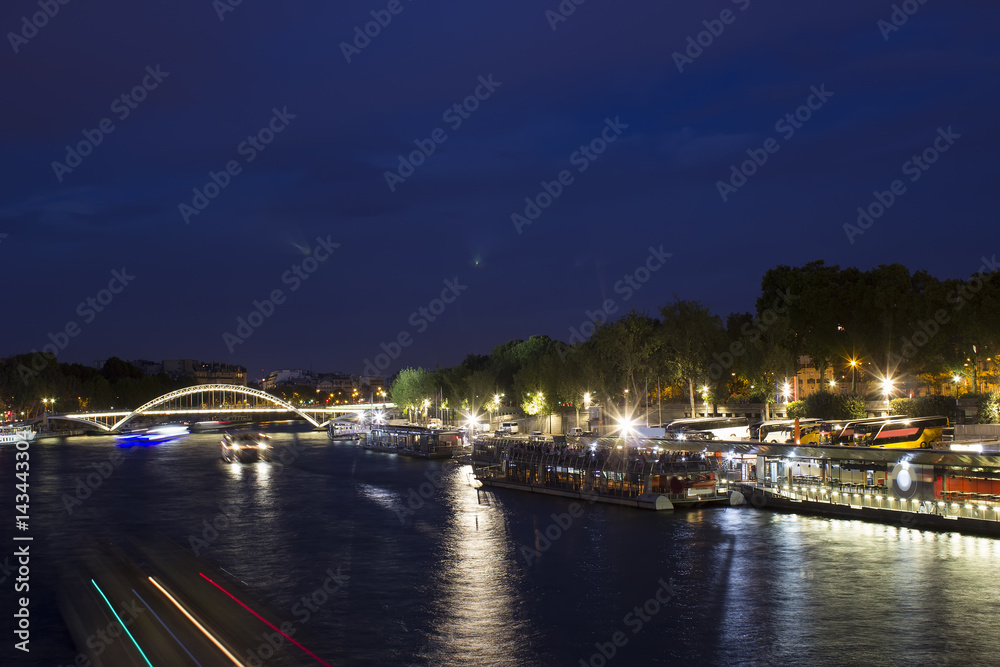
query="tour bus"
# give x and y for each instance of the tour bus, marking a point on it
(851, 432)
(709, 428)
(781, 430)
(905, 433)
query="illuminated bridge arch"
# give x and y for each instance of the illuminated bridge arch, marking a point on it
(223, 389)
(216, 399)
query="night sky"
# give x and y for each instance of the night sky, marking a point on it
(609, 67)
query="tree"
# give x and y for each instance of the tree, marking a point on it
(689, 333)
(627, 350)
(411, 387)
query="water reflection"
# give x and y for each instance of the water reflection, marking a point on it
(448, 585)
(476, 594)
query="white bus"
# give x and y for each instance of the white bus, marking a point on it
(779, 430)
(709, 428)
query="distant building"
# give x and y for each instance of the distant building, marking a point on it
(148, 367)
(286, 376)
(176, 368)
(220, 373)
(808, 381)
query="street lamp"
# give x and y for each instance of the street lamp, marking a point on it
(854, 374)
(887, 390)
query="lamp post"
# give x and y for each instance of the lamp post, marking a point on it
(854, 375)
(46, 402)
(887, 390)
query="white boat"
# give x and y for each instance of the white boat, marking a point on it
(15, 434)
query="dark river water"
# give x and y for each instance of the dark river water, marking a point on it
(437, 574)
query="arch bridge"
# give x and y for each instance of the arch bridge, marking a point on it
(215, 399)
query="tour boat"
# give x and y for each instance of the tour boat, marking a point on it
(16, 434)
(245, 447)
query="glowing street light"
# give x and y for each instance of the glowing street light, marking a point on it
(887, 388)
(833, 384)
(854, 374)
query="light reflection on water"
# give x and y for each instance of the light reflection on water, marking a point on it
(449, 584)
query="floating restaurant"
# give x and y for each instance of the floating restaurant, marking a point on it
(946, 489)
(648, 474)
(417, 441)
(954, 489)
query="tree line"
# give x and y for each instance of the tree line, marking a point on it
(27, 379)
(891, 322)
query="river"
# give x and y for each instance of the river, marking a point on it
(440, 574)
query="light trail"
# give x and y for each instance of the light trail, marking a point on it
(138, 648)
(269, 624)
(166, 628)
(198, 625)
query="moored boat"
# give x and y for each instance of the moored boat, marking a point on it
(641, 473)
(16, 434)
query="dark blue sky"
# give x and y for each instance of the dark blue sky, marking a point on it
(323, 175)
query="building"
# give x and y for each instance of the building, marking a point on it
(176, 368)
(369, 385)
(287, 376)
(148, 367)
(220, 373)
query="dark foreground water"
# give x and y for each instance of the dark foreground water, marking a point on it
(439, 577)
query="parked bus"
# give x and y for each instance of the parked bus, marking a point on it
(780, 430)
(709, 428)
(906, 433)
(838, 431)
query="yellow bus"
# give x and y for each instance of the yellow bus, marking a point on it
(905, 433)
